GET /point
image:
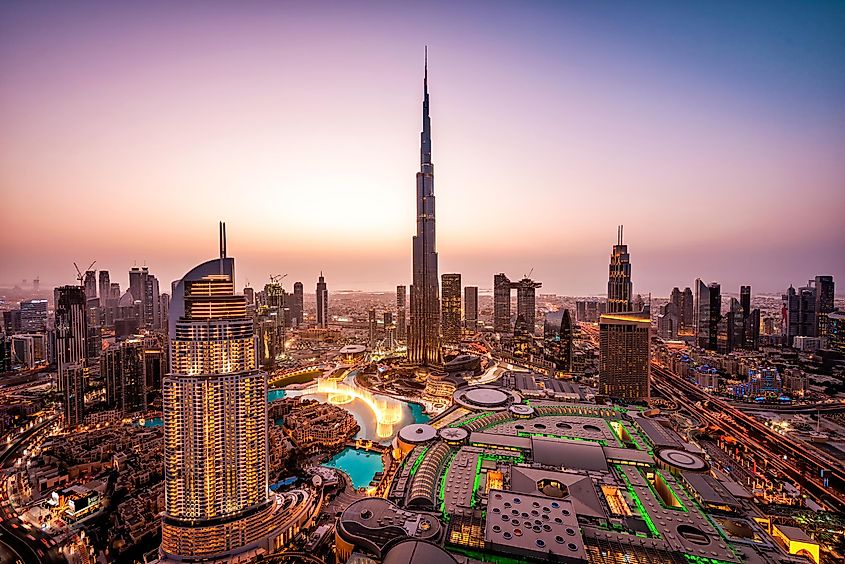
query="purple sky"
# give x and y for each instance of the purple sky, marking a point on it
(714, 133)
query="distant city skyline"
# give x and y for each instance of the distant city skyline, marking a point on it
(710, 138)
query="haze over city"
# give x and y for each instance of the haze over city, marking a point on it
(127, 132)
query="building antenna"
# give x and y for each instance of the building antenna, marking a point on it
(222, 244)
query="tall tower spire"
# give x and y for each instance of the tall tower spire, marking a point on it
(424, 337)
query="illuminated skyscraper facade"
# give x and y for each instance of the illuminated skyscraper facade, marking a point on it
(624, 362)
(71, 330)
(217, 502)
(451, 308)
(824, 303)
(619, 281)
(424, 341)
(401, 324)
(322, 302)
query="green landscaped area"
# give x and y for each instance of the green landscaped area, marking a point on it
(298, 378)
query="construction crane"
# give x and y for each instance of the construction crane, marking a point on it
(79, 274)
(530, 272)
(277, 278)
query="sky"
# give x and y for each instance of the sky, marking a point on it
(714, 131)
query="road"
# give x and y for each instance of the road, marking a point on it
(30, 546)
(789, 458)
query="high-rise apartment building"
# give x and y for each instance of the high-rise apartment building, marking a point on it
(217, 501)
(122, 366)
(322, 302)
(297, 307)
(619, 285)
(401, 324)
(624, 362)
(75, 379)
(424, 338)
(471, 308)
(451, 308)
(501, 303)
(824, 303)
(33, 315)
(71, 330)
(799, 313)
(707, 313)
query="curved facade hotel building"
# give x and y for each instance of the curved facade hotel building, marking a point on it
(217, 500)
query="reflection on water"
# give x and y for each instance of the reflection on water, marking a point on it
(380, 417)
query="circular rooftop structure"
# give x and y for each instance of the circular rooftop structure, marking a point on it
(521, 410)
(417, 433)
(412, 551)
(487, 398)
(454, 434)
(682, 460)
(353, 349)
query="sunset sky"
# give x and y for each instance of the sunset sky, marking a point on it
(714, 131)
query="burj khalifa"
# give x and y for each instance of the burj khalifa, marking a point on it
(424, 338)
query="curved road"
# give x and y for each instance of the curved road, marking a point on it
(801, 464)
(17, 543)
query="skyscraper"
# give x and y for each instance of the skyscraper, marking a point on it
(708, 313)
(296, 311)
(90, 284)
(373, 327)
(501, 303)
(71, 330)
(471, 308)
(526, 302)
(424, 342)
(686, 311)
(214, 403)
(322, 302)
(624, 362)
(401, 324)
(75, 376)
(145, 289)
(745, 300)
(824, 303)
(122, 367)
(451, 308)
(564, 343)
(619, 282)
(104, 287)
